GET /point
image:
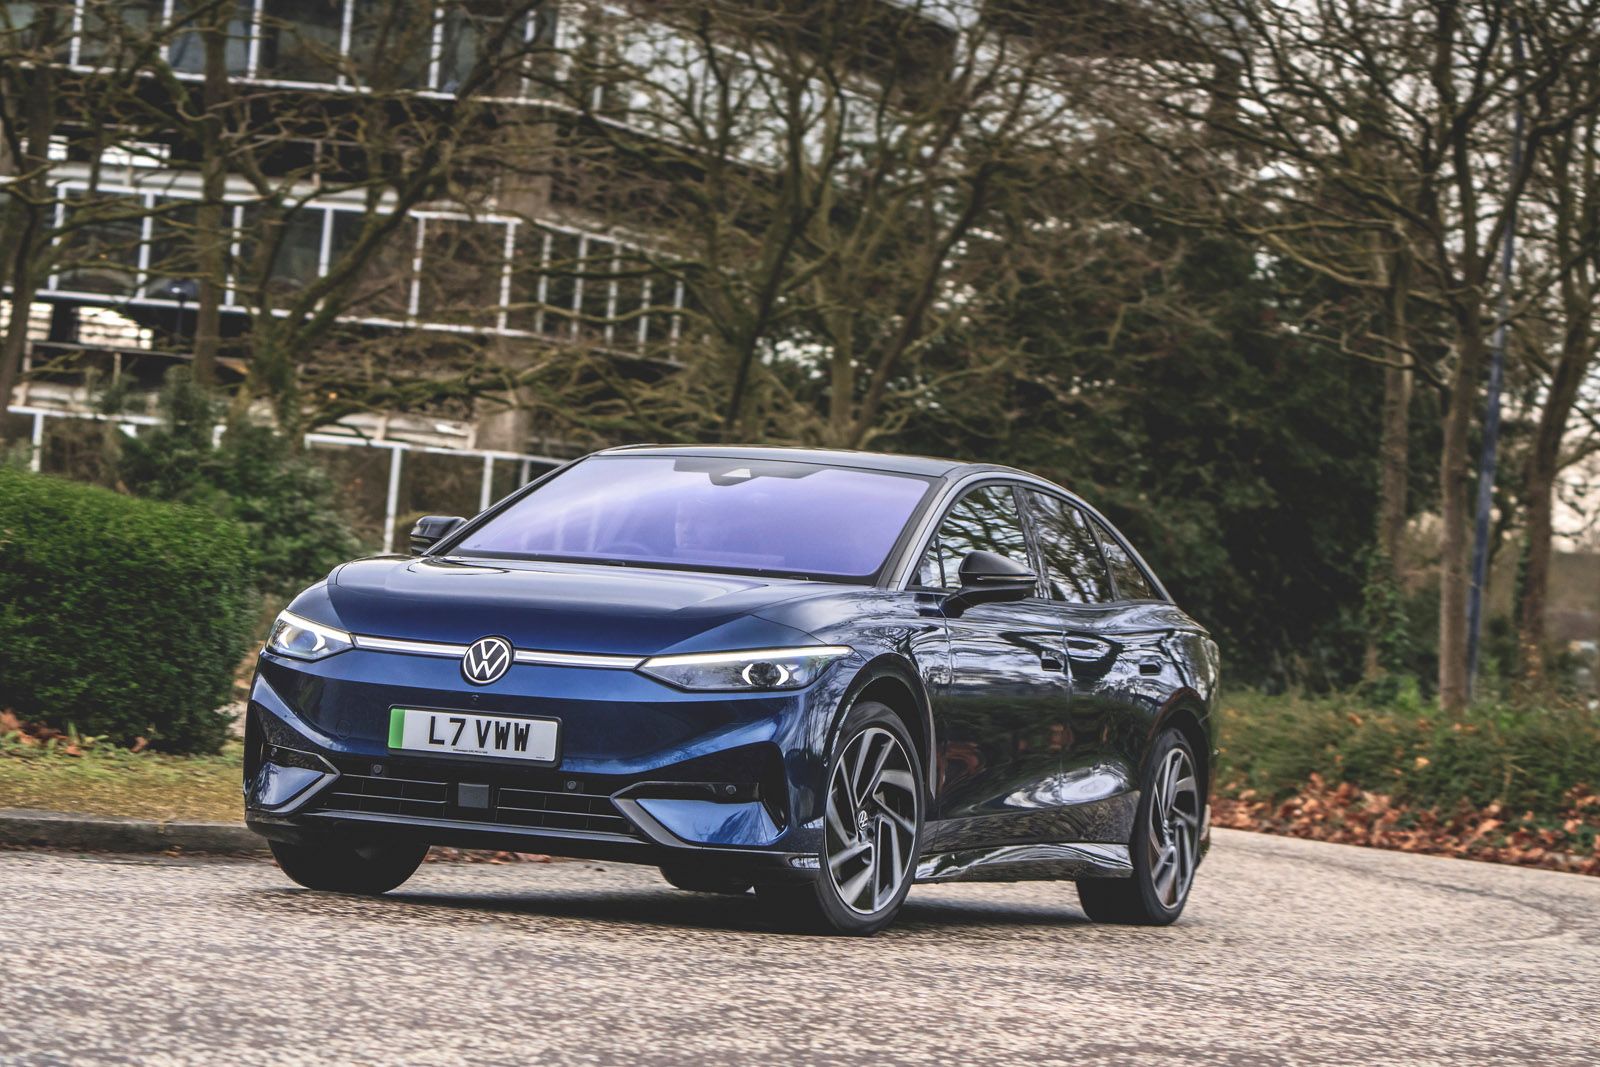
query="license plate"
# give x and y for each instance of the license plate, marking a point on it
(463, 733)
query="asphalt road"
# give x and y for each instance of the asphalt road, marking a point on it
(1290, 952)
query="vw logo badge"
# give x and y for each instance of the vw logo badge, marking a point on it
(486, 660)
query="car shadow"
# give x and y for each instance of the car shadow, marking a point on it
(941, 913)
(665, 908)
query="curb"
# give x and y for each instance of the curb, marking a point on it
(101, 833)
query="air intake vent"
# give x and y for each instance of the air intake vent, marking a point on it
(557, 808)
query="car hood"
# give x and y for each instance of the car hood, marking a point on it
(557, 606)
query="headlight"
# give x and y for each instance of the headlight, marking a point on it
(304, 639)
(757, 669)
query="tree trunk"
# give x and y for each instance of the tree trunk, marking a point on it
(1455, 514)
(1393, 447)
(1539, 491)
(39, 118)
(16, 338)
(210, 231)
(1544, 463)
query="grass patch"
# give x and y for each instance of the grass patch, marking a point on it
(103, 780)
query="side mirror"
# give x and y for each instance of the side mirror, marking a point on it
(990, 578)
(431, 529)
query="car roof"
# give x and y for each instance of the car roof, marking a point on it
(928, 466)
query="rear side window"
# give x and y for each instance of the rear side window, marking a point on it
(986, 519)
(1073, 567)
(1132, 583)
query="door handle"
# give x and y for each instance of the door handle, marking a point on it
(1052, 662)
(1149, 665)
(1088, 649)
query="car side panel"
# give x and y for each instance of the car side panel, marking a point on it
(1002, 723)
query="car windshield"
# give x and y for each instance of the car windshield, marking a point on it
(754, 516)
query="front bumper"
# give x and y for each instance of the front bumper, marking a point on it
(646, 773)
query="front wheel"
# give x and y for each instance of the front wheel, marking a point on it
(341, 866)
(1165, 847)
(872, 829)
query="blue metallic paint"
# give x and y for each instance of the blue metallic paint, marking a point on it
(1020, 753)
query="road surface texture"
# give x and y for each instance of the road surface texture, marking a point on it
(1290, 952)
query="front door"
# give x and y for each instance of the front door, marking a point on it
(1001, 716)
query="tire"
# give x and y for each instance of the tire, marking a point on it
(343, 866)
(694, 878)
(872, 831)
(1166, 843)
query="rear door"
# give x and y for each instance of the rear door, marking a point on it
(1141, 626)
(1001, 715)
(1083, 600)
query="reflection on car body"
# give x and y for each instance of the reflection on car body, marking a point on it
(824, 675)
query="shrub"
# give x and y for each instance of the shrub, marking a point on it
(119, 617)
(288, 505)
(1526, 759)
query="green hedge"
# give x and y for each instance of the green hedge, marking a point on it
(119, 617)
(1527, 759)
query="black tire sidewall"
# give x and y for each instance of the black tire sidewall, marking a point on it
(1154, 910)
(841, 917)
(344, 866)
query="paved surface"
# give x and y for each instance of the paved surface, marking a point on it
(1290, 951)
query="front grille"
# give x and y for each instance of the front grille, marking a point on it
(560, 811)
(388, 796)
(402, 792)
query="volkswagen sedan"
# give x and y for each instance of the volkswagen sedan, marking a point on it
(823, 676)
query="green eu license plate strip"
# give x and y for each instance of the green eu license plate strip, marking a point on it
(397, 726)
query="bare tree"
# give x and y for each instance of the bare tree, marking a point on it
(27, 120)
(239, 169)
(1427, 87)
(1566, 194)
(817, 176)
(71, 114)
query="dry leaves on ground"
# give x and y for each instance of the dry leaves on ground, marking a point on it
(474, 855)
(15, 729)
(1349, 815)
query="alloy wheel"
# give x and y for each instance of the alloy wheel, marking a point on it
(1173, 843)
(871, 821)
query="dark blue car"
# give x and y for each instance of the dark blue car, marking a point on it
(824, 675)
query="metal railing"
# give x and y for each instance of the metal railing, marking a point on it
(129, 423)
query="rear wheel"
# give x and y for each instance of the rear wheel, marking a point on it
(339, 865)
(1165, 847)
(872, 829)
(696, 879)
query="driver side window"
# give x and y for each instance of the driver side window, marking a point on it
(985, 519)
